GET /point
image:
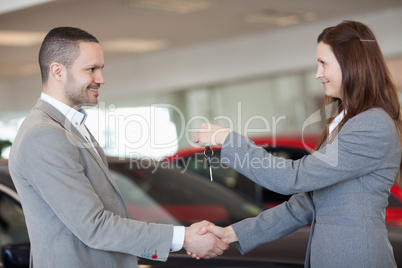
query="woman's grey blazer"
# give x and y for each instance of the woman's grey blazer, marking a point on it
(75, 214)
(341, 190)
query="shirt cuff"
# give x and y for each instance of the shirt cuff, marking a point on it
(178, 238)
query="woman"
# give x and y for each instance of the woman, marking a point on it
(342, 188)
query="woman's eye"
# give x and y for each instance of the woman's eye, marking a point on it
(322, 63)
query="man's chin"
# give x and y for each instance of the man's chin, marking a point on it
(87, 104)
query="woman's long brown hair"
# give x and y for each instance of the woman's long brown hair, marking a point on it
(366, 80)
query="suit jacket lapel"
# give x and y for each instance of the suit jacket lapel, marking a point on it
(74, 135)
(102, 157)
(97, 147)
(76, 138)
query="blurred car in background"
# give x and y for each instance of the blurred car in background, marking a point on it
(166, 194)
(193, 160)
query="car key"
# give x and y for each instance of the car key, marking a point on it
(209, 159)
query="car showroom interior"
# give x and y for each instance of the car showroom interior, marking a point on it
(166, 75)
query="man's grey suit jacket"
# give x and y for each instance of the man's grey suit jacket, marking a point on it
(75, 215)
(341, 190)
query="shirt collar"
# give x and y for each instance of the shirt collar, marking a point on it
(77, 118)
(339, 117)
(336, 121)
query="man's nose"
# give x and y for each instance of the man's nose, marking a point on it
(99, 79)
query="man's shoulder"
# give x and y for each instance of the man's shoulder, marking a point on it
(38, 125)
(36, 118)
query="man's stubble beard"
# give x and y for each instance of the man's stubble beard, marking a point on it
(76, 93)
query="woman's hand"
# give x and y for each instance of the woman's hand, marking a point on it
(210, 134)
(226, 234)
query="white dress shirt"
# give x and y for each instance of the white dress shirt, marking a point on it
(336, 121)
(77, 118)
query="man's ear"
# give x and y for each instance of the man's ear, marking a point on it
(57, 71)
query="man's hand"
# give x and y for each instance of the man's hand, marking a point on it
(227, 235)
(205, 245)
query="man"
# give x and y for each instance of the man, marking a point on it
(75, 214)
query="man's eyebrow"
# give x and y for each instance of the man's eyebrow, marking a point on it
(95, 66)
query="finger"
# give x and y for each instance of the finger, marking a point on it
(206, 228)
(211, 255)
(197, 144)
(203, 230)
(217, 252)
(222, 245)
(195, 256)
(215, 230)
(196, 137)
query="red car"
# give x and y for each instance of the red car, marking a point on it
(291, 147)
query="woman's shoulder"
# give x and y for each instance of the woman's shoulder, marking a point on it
(370, 131)
(373, 115)
(374, 120)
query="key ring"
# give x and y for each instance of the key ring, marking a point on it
(208, 149)
(209, 161)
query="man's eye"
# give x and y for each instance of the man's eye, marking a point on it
(322, 63)
(91, 69)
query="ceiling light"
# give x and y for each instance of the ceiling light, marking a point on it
(177, 6)
(309, 16)
(280, 17)
(270, 19)
(20, 39)
(133, 45)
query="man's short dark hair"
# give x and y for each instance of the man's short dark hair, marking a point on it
(61, 45)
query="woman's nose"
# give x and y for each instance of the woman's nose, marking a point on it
(318, 74)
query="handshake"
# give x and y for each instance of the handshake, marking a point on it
(206, 240)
